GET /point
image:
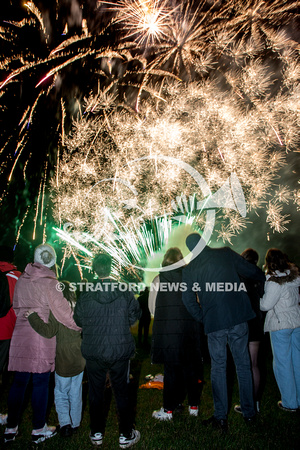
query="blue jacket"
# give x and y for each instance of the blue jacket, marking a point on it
(223, 298)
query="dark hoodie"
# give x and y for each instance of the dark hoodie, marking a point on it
(106, 314)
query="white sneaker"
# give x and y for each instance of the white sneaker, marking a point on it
(10, 434)
(42, 434)
(96, 438)
(3, 419)
(161, 414)
(193, 410)
(125, 442)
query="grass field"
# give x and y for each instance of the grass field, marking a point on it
(275, 429)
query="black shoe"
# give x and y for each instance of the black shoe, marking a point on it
(66, 431)
(250, 420)
(220, 424)
(75, 430)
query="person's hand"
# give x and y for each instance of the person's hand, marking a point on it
(27, 313)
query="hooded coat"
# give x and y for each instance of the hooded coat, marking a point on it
(281, 300)
(106, 314)
(36, 289)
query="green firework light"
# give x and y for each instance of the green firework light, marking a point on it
(135, 248)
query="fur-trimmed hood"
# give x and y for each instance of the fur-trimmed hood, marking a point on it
(287, 276)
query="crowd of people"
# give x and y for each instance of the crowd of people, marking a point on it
(222, 295)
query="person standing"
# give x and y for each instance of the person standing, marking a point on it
(106, 314)
(8, 320)
(281, 301)
(255, 290)
(31, 356)
(175, 342)
(9, 277)
(69, 365)
(214, 274)
(144, 322)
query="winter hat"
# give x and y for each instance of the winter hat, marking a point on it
(45, 254)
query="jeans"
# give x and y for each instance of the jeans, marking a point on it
(118, 375)
(286, 365)
(39, 398)
(237, 338)
(68, 399)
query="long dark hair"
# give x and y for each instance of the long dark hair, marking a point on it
(276, 260)
(69, 293)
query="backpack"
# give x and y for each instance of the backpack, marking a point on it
(5, 304)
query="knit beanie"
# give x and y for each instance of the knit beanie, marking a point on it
(45, 255)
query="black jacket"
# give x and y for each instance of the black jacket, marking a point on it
(105, 315)
(224, 300)
(175, 334)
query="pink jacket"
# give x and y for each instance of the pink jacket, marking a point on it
(36, 290)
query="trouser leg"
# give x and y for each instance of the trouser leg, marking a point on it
(16, 398)
(217, 341)
(238, 343)
(62, 399)
(97, 377)
(39, 398)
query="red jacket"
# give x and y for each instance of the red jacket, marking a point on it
(7, 322)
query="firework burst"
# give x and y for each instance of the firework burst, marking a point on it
(237, 109)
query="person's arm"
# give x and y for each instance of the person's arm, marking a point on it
(154, 286)
(134, 310)
(60, 307)
(47, 330)
(246, 269)
(271, 296)
(189, 296)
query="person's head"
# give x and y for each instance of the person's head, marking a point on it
(69, 294)
(6, 253)
(45, 254)
(276, 260)
(192, 240)
(172, 256)
(102, 265)
(250, 255)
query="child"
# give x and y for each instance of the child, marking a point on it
(69, 366)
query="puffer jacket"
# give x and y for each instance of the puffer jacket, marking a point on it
(281, 300)
(105, 314)
(36, 290)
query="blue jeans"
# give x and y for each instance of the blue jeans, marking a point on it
(39, 398)
(68, 399)
(286, 365)
(237, 338)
